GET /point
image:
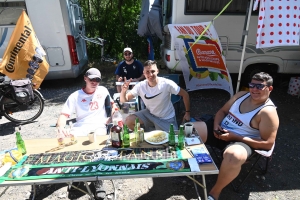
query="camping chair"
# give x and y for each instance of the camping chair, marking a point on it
(174, 98)
(253, 159)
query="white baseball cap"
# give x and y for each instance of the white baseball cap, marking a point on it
(127, 49)
(93, 73)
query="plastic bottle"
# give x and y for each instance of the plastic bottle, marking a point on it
(126, 137)
(181, 139)
(20, 142)
(118, 116)
(115, 133)
(171, 136)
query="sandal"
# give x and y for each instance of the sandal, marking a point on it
(209, 197)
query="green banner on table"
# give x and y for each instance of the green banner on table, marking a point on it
(100, 168)
(104, 162)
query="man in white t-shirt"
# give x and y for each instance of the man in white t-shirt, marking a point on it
(89, 105)
(156, 94)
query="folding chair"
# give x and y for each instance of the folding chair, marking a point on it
(253, 159)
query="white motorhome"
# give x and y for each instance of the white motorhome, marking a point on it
(229, 25)
(58, 25)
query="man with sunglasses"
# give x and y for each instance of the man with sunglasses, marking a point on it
(91, 116)
(129, 68)
(247, 122)
(156, 94)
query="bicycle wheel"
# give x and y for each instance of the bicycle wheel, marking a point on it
(18, 114)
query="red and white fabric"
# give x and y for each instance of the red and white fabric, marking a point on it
(294, 86)
(278, 23)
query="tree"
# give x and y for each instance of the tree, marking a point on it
(116, 21)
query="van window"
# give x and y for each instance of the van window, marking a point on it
(10, 12)
(196, 7)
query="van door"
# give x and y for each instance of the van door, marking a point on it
(77, 26)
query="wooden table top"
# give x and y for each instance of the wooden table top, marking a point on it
(36, 146)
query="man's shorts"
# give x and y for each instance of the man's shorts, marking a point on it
(160, 124)
(221, 144)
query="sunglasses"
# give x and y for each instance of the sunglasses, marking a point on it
(95, 79)
(258, 86)
(127, 54)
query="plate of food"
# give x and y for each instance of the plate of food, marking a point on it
(156, 137)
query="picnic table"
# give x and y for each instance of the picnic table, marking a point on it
(61, 165)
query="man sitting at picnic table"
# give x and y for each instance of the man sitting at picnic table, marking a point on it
(91, 116)
(156, 94)
(248, 121)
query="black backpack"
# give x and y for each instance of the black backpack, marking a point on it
(22, 90)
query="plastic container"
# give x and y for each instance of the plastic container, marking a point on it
(118, 117)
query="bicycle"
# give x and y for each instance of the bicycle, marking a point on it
(21, 111)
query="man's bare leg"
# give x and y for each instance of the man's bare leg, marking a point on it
(233, 158)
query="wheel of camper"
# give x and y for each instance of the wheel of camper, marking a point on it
(16, 113)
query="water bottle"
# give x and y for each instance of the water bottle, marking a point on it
(118, 117)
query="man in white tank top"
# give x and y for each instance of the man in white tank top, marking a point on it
(156, 94)
(247, 121)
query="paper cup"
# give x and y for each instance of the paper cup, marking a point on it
(188, 128)
(92, 136)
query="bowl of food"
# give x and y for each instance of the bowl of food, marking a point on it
(156, 137)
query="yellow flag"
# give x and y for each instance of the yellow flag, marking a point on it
(24, 56)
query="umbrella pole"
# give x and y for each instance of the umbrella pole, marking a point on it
(245, 34)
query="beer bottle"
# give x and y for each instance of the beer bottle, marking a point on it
(171, 136)
(115, 133)
(181, 142)
(20, 142)
(126, 137)
(136, 130)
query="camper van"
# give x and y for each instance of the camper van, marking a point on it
(229, 26)
(58, 24)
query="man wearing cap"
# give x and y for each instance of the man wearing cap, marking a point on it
(89, 105)
(129, 68)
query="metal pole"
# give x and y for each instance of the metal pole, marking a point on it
(245, 33)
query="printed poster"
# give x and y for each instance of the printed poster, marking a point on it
(203, 64)
(24, 56)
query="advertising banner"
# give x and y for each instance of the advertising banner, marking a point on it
(201, 59)
(103, 162)
(24, 55)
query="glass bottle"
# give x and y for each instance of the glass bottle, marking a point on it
(171, 136)
(115, 133)
(20, 142)
(181, 138)
(136, 130)
(126, 137)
